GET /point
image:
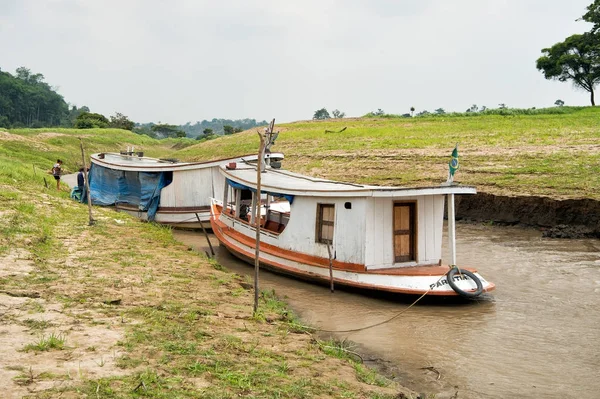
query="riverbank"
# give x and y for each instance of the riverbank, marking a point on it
(570, 218)
(121, 309)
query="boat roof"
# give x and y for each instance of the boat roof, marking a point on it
(285, 182)
(133, 162)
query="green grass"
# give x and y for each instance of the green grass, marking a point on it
(51, 342)
(552, 152)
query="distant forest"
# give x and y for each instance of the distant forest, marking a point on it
(27, 101)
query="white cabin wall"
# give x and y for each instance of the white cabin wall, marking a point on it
(188, 188)
(379, 249)
(379, 244)
(218, 184)
(349, 229)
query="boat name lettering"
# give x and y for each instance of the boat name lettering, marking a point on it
(445, 281)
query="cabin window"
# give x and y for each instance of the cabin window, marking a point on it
(325, 219)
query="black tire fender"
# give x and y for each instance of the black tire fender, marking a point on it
(472, 276)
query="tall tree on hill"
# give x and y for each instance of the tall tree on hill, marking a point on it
(91, 120)
(120, 121)
(577, 58)
(321, 114)
(593, 15)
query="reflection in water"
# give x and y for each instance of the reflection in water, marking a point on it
(538, 336)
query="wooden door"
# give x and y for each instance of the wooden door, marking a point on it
(404, 232)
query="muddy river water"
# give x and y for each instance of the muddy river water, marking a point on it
(538, 336)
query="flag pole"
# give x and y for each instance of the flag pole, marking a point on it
(451, 230)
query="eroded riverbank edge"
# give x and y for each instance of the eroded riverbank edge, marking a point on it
(569, 218)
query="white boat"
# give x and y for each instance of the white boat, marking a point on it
(162, 190)
(377, 238)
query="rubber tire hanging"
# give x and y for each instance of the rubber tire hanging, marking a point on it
(472, 276)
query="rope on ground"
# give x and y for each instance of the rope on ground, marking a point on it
(380, 323)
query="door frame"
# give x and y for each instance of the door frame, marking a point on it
(412, 230)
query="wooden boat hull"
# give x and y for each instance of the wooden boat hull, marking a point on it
(406, 280)
(179, 218)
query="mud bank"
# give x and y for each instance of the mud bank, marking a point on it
(572, 218)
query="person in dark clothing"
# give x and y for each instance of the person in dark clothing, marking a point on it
(80, 179)
(78, 193)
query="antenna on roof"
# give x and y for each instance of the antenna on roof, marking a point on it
(270, 137)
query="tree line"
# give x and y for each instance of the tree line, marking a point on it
(26, 100)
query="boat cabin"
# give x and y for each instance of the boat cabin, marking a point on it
(363, 227)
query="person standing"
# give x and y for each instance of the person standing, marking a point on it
(56, 171)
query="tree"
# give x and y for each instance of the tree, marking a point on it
(440, 111)
(379, 112)
(207, 131)
(412, 109)
(90, 120)
(321, 114)
(577, 59)
(593, 15)
(502, 106)
(338, 114)
(165, 130)
(120, 121)
(559, 103)
(227, 129)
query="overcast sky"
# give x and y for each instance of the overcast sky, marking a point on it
(181, 61)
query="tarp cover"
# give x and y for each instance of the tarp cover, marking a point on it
(239, 186)
(142, 189)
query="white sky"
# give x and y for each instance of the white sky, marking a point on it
(183, 60)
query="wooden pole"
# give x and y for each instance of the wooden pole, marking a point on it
(257, 220)
(451, 230)
(330, 267)
(212, 251)
(87, 184)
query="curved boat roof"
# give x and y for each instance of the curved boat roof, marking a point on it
(290, 183)
(133, 162)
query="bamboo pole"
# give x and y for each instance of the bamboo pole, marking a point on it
(87, 184)
(257, 219)
(212, 251)
(330, 267)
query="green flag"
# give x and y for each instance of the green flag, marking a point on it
(453, 164)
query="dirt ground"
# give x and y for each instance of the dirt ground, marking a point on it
(119, 308)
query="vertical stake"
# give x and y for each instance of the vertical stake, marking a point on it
(259, 161)
(87, 184)
(212, 251)
(330, 267)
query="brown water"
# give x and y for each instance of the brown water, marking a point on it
(537, 337)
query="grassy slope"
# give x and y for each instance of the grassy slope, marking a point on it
(22, 149)
(184, 324)
(554, 155)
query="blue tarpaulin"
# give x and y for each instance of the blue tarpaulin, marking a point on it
(239, 186)
(142, 189)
